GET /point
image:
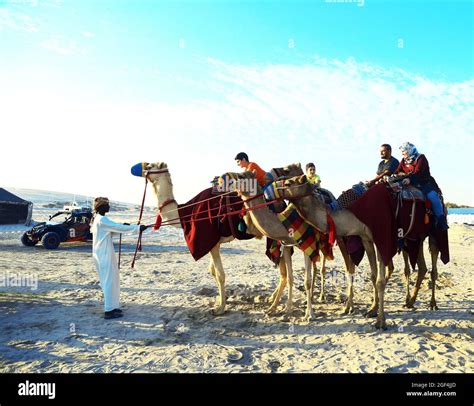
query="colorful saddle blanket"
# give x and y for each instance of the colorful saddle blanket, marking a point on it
(308, 239)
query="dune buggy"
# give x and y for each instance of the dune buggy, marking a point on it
(75, 227)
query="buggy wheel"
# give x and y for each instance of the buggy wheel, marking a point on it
(27, 241)
(51, 240)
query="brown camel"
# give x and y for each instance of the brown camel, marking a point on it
(269, 225)
(283, 173)
(422, 270)
(265, 223)
(160, 177)
(299, 192)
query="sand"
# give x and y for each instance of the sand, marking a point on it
(168, 326)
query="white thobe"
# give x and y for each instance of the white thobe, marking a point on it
(103, 229)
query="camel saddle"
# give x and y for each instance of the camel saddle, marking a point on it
(409, 192)
(323, 195)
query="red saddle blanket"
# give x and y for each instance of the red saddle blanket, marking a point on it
(414, 236)
(376, 209)
(200, 231)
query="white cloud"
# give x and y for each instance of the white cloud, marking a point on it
(333, 113)
(62, 45)
(14, 20)
(22, 15)
(87, 34)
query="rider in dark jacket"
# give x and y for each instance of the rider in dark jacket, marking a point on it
(416, 166)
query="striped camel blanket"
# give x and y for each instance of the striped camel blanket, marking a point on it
(308, 239)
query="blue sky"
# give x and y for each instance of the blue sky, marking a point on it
(192, 83)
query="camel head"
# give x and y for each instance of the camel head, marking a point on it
(289, 189)
(244, 183)
(285, 172)
(150, 170)
(157, 173)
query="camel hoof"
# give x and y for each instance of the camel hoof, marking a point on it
(410, 304)
(381, 325)
(286, 318)
(347, 310)
(309, 317)
(218, 311)
(371, 313)
(271, 311)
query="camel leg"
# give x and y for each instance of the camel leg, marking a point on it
(434, 271)
(322, 295)
(282, 268)
(315, 272)
(350, 269)
(391, 267)
(422, 269)
(276, 295)
(289, 269)
(407, 271)
(309, 315)
(211, 268)
(381, 283)
(369, 249)
(220, 279)
(349, 307)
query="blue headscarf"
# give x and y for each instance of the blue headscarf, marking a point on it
(411, 150)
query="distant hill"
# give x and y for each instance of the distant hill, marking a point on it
(49, 199)
(455, 206)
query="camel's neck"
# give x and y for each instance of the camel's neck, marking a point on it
(164, 193)
(264, 220)
(315, 213)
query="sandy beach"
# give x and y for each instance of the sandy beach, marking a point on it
(168, 326)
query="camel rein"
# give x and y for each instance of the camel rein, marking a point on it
(412, 215)
(182, 219)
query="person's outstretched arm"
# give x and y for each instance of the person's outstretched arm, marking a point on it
(119, 228)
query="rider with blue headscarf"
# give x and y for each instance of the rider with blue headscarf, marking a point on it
(416, 166)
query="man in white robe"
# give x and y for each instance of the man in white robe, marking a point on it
(103, 229)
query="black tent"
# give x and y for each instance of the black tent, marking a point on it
(13, 209)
